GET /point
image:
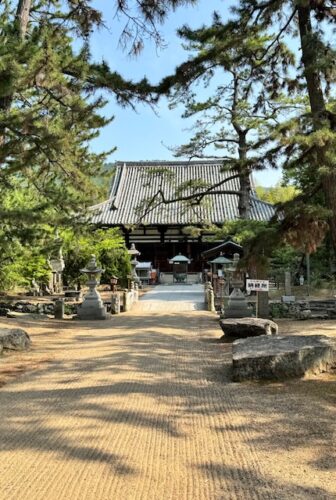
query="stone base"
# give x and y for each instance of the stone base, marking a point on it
(237, 306)
(14, 339)
(91, 311)
(248, 327)
(278, 358)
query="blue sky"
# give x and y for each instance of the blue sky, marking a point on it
(145, 135)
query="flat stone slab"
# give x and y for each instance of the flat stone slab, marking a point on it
(274, 358)
(20, 315)
(14, 339)
(248, 327)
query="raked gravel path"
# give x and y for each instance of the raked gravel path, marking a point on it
(142, 407)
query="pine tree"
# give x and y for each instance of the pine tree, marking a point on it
(310, 139)
(51, 98)
(235, 119)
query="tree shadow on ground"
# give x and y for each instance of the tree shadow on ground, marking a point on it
(238, 479)
(183, 368)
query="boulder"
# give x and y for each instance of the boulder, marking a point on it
(23, 306)
(304, 314)
(14, 339)
(248, 327)
(278, 358)
(4, 311)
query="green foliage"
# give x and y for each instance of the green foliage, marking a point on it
(20, 265)
(277, 194)
(51, 104)
(241, 231)
(107, 245)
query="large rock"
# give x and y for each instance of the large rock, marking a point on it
(14, 339)
(248, 327)
(273, 357)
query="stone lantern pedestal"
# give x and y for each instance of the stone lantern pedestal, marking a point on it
(92, 307)
(237, 305)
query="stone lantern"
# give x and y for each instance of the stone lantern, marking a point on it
(57, 266)
(237, 305)
(134, 253)
(92, 306)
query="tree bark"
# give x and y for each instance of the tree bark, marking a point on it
(21, 20)
(321, 116)
(22, 16)
(244, 180)
(244, 174)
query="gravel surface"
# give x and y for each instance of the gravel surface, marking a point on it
(142, 407)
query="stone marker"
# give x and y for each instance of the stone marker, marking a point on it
(59, 309)
(273, 357)
(136, 292)
(115, 303)
(206, 287)
(288, 283)
(248, 327)
(263, 304)
(211, 299)
(14, 339)
(126, 300)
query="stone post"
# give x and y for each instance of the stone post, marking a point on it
(126, 302)
(59, 309)
(262, 305)
(115, 303)
(136, 292)
(211, 299)
(206, 289)
(288, 283)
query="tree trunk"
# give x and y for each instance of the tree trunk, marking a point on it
(321, 116)
(22, 16)
(21, 20)
(244, 180)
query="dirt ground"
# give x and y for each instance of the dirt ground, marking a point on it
(142, 406)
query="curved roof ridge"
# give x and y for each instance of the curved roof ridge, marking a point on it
(167, 163)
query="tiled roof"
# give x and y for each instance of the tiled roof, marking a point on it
(134, 182)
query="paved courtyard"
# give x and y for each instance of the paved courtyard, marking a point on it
(142, 407)
(173, 299)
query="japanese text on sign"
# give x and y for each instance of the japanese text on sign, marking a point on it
(257, 285)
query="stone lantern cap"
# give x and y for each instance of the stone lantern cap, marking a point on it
(91, 267)
(133, 251)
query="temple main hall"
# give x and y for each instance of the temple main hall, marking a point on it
(162, 230)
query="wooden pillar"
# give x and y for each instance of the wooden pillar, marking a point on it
(126, 235)
(162, 230)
